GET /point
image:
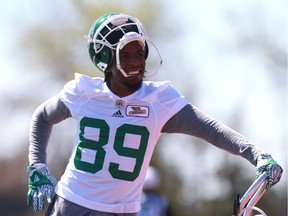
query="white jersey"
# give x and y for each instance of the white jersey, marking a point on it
(115, 141)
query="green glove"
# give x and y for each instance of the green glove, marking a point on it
(40, 184)
(274, 171)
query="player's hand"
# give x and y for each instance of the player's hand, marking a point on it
(40, 184)
(274, 171)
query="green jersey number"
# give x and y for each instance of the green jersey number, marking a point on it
(119, 141)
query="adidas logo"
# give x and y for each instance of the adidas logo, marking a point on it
(118, 114)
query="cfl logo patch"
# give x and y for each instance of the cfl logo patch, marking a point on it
(119, 103)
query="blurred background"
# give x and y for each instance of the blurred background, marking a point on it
(228, 58)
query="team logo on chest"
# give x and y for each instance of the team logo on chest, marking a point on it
(137, 111)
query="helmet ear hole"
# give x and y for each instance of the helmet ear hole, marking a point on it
(102, 59)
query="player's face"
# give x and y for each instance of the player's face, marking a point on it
(132, 60)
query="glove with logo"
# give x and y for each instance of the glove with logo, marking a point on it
(40, 184)
(274, 171)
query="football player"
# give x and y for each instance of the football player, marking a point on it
(120, 119)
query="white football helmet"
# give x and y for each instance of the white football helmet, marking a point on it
(109, 34)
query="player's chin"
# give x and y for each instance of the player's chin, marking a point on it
(134, 83)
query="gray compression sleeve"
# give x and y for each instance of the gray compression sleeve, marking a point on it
(192, 121)
(45, 116)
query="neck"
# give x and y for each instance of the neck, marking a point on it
(124, 89)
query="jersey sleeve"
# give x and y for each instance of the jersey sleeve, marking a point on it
(169, 101)
(78, 91)
(71, 95)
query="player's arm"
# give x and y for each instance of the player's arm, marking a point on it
(40, 181)
(192, 121)
(45, 116)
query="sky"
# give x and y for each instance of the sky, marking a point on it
(230, 76)
(227, 76)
